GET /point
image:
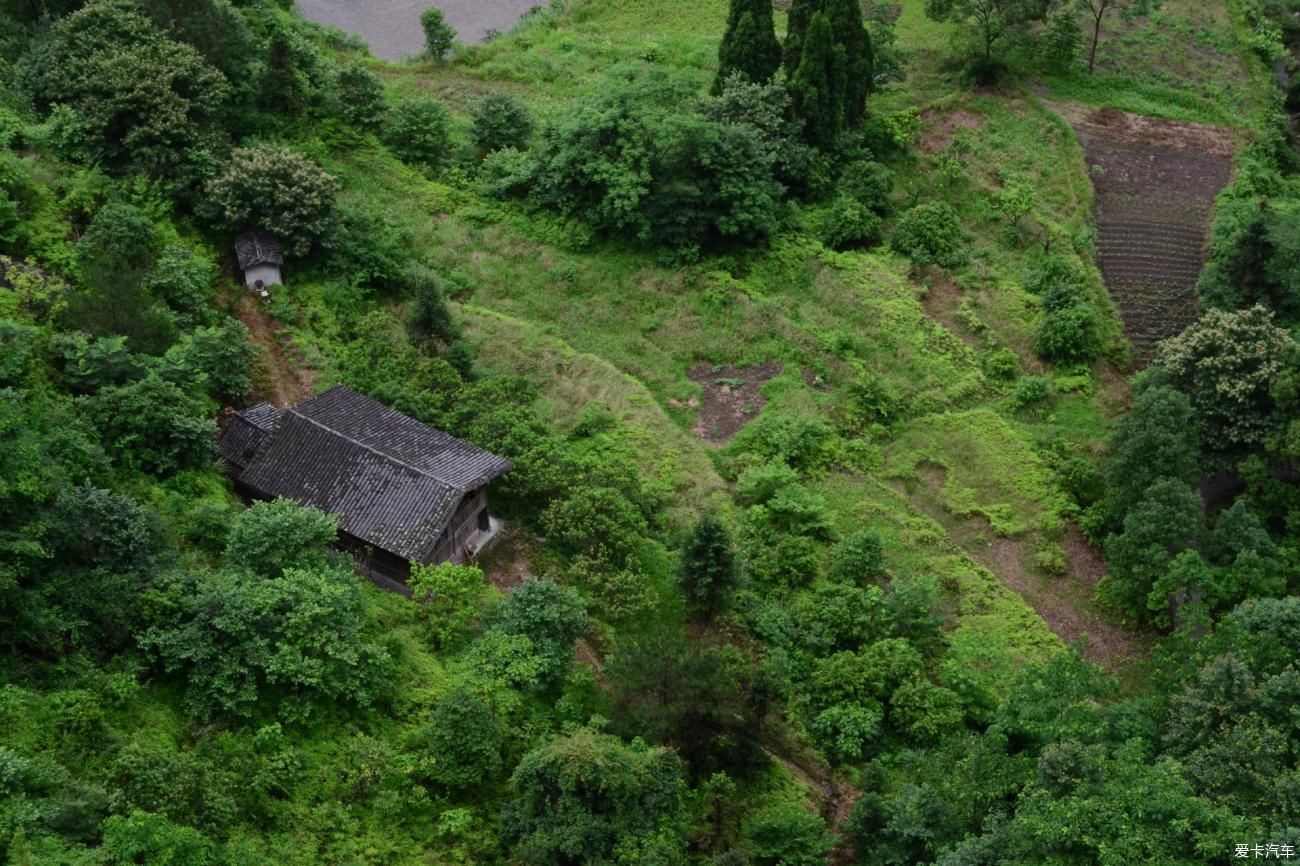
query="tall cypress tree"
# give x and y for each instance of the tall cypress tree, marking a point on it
(851, 33)
(749, 46)
(796, 28)
(708, 568)
(817, 86)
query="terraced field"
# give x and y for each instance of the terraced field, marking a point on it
(1155, 181)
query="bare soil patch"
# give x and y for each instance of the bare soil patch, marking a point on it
(1156, 181)
(941, 302)
(731, 397)
(939, 129)
(508, 562)
(1065, 603)
(281, 375)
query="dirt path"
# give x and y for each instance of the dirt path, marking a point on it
(280, 374)
(1156, 181)
(1065, 603)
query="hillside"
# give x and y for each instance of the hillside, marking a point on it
(900, 408)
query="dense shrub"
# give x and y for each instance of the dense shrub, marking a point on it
(152, 425)
(360, 96)
(418, 130)
(930, 234)
(849, 223)
(1069, 335)
(501, 120)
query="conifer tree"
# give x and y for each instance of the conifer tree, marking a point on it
(817, 86)
(851, 33)
(749, 46)
(708, 568)
(796, 29)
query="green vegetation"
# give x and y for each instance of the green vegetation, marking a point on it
(794, 335)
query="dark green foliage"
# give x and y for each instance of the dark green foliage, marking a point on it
(277, 190)
(853, 40)
(1156, 440)
(1165, 521)
(709, 574)
(629, 162)
(1062, 41)
(269, 537)
(152, 840)
(216, 360)
(360, 96)
(1255, 260)
(766, 109)
(849, 224)
(869, 183)
(930, 234)
(672, 691)
(817, 84)
(173, 784)
(152, 425)
(183, 279)
(858, 559)
(439, 37)
(115, 255)
(551, 616)
(588, 797)
(501, 120)
(418, 130)
(464, 741)
(788, 835)
(291, 644)
(429, 324)
(143, 100)
(596, 521)
(1069, 335)
(749, 46)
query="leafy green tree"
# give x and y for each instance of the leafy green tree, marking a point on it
(292, 644)
(708, 575)
(276, 190)
(143, 99)
(115, 255)
(925, 712)
(859, 559)
(501, 120)
(464, 741)
(849, 223)
(1256, 261)
(1227, 363)
(217, 360)
(184, 279)
(1156, 440)
(551, 616)
(930, 234)
(818, 83)
(418, 130)
(1165, 522)
(439, 37)
(765, 108)
(788, 834)
(145, 839)
(590, 798)
(749, 45)
(1062, 40)
(1070, 335)
(153, 426)
(360, 96)
(267, 538)
(450, 598)
(990, 22)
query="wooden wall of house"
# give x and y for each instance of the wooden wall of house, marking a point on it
(462, 528)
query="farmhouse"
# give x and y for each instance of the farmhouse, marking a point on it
(260, 259)
(403, 492)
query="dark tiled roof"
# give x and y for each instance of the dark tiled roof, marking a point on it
(257, 248)
(392, 481)
(247, 432)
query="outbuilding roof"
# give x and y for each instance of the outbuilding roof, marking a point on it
(258, 248)
(393, 481)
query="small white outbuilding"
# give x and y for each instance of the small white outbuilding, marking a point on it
(260, 259)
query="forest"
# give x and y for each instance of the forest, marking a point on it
(902, 401)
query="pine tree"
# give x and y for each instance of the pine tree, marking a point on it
(817, 86)
(851, 33)
(749, 46)
(708, 568)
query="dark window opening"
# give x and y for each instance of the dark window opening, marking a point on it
(484, 522)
